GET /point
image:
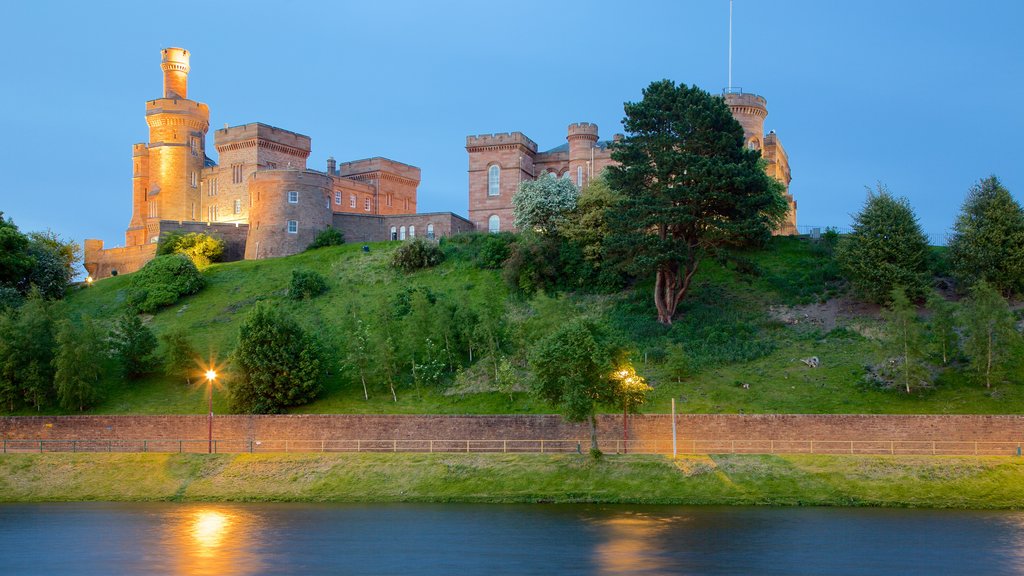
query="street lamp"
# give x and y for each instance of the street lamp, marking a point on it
(88, 280)
(211, 375)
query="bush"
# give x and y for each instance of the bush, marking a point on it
(202, 249)
(132, 344)
(162, 281)
(306, 284)
(327, 237)
(278, 363)
(416, 255)
(494, 250)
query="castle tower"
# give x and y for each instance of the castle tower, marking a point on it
(136, 233)
(498, 163)
(177, 136)
(750, 110)
(582, 138)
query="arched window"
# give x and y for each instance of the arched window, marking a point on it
(566, 175)
(754, 144)
(552, 174)
(494, 224)
(430, 231)
(412, 231)
(579, 175)
(401, 233)
(493, 180)
(394, 233)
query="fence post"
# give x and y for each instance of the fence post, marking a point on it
(504, 445)
(771, 446)
(5, 445)
(321, 446)
(74, 446)
(892, 449)
(145, 445)
(431, 446)
(674, 453)
(933, 447)
(359, 447)
(286, 446)
(40, 446)
(179, 446)
(975, 448)
(394, 445)
(812, 446)
(250, 446)
(542, 446)
(467, 446)
(109, 443)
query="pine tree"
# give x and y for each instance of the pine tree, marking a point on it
(991, 339)
(988, 239)
(132, 344)
(77, 371)
(886, 249)
(905, 337)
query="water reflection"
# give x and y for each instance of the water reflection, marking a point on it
(632, 543)
(220, 540)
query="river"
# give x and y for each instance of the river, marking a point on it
(464, 540)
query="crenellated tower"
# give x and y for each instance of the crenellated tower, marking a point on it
(582, 139)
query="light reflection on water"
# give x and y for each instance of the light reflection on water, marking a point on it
(241, 539)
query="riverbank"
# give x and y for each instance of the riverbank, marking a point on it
(786, 480)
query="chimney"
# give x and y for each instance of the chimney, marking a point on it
(331, 166)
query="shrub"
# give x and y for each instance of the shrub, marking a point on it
(202, 249)
(278, 363)
(162, 281)
(306, 284)
(494, 250)
(416, 255)
(327, 237)
(132, 344)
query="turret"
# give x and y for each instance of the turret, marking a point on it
(136, 233)
(749, 110)
(582, 138)
(174, 63)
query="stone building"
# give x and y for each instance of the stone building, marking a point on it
(499, 162)
(260, 197)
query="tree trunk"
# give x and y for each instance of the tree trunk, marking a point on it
(393, 395)
(625, 428)
(988, 365)
(670, 287)
(906, 365)
(366, 395)
(593, 432)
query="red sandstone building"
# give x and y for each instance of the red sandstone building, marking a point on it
(498, 163)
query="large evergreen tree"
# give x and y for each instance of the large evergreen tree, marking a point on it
(886, 249)
(688, 187)
(132, 344)
(988, 239)
(77, 369)
(278, 363)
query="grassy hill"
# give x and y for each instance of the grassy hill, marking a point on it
(745, 328)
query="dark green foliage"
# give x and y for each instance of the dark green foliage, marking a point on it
(306, 284)
(162, 281)
(546, 263)
(55, 263)
(991, 344)
(943, 327)
(988, 239)
(494, 250)
(202, 249)
(327, 237)
(10, 298)
(27, 347)
(417, 254)
(277, 363)
(886, 249)
(572, 371)
(132, 344)
(688, 186)
(904, 339)
(15, 260)
(78, 371)
(180, 357)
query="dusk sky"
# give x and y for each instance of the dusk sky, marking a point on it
(921, 95)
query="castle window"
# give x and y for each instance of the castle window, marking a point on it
(153, 212)
(412, 231)
(271, 165)
(753, 144)
(566, 175)
(337, 198)
(401, 233)
(238, 205)
(366, 204)
(579, 175)
(211, 187)
(351, 200)
(494, 180)
(494, 224)
(552, 174)
(388, 197)
(293, 226)
(194, 179)
(430, 231)
(394, 233)
(211, 213)
(236, 174)
(293, 197)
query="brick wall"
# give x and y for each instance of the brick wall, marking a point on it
(696, 433)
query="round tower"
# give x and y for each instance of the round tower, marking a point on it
(136, 233)
(582, 138)
(750, 110)
(174, 63)
(289, 208)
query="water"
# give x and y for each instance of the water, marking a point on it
(491, 539)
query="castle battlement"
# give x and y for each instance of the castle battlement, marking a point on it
(501, 139)
(582, 130)
(367, 166)
(257, 134)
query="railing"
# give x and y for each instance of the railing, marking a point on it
(537, 446)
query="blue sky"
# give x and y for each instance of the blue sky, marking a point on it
(921, 95)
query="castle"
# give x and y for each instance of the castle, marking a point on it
(499, 162)
(260, 198)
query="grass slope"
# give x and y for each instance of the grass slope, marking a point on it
(797, 480)
(724, 325)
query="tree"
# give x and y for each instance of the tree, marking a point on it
(327, 237)
(943, 325)
(988, 239)
(886, 249)
(132, 344)
(278, 364)
(202, 249)
(589, 225)
(360, 353)
(572, 370)
(991, 339)
(688, 187)
(542, 205)
(162, 281)
(306, 284)
(55, 263)
(77, 372)
(15, 260)
(630, 393)
(904, 335)
(27, 347)
(180, 356)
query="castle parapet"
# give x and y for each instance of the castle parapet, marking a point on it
(582, 131)
(500, 139)
(378, 164)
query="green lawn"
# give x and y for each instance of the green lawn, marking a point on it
(724, 324)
